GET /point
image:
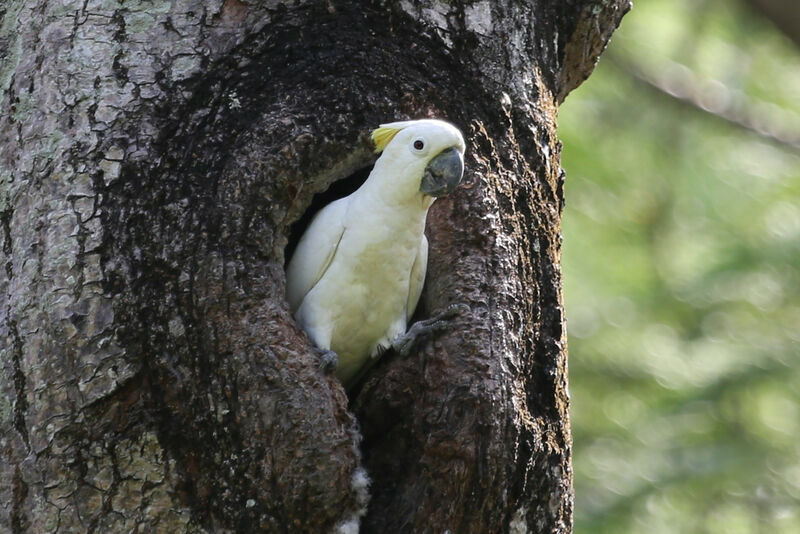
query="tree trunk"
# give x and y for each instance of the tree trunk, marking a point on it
(154, 156)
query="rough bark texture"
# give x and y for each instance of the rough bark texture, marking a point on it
(153, 157)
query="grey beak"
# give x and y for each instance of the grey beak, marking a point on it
(443, 173)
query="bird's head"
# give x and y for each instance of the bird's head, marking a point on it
(430, 152)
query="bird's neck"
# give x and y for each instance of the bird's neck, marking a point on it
(398, 192)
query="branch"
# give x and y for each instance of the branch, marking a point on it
(715, 98)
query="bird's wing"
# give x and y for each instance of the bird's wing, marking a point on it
(417, 277)
(315, 252)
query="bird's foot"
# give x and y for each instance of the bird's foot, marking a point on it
(328, 360)
(403, 343)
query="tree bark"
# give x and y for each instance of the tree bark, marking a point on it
(154, 156)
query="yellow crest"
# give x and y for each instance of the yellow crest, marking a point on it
(383, 135)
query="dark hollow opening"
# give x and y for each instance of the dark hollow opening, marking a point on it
(338, 189)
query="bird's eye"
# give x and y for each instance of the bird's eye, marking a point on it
(419, 144)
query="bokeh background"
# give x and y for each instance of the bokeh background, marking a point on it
(682, 273)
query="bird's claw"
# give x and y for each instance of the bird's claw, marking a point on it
(403, 343)
(328, 360)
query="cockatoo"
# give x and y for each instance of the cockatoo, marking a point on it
(357, 273)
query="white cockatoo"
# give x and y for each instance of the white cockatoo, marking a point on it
(357, 273)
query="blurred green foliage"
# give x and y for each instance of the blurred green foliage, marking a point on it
(682, 280)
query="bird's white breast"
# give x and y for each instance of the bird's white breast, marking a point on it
(361, 300)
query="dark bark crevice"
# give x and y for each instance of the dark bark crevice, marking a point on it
(20, 492)
(21, 401)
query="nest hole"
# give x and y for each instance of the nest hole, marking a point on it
(338, 189)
